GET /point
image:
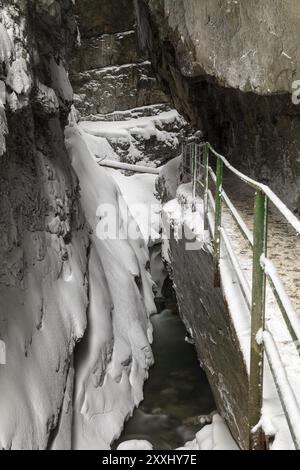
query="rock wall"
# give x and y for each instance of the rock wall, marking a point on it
(229, 67)
(105, 17)
(109, 72)
(44, 239)
(114, 81)
(60, 284)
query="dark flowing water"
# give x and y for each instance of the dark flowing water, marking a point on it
(177, 392)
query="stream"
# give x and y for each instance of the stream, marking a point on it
(177, 392)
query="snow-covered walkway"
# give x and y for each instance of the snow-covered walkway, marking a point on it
(283, 243)
(284, 251)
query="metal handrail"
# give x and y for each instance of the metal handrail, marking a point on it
(287, 214)
(263, 270)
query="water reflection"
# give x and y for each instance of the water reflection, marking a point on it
(177, 392)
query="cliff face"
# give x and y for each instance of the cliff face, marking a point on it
(230, 67)
(114, 81)
(249, 46)
(60, 283)
(44, 239)
(109, 72)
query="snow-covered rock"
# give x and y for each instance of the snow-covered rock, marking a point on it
(44, 238)
(152, 138)
(215, 436)
(135, 445)
(115, 354)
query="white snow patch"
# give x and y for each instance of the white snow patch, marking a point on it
(130, 133)
(139, 194)
(2, 353)
(215, 436)
(135, 445)
(170, 174)
(146, 127)
(60, 81)
(6, 46)
(18, 77)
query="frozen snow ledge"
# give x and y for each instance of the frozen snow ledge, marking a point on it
(113, 359)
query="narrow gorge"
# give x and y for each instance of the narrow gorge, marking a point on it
(139, 308)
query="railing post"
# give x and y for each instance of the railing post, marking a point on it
(218, 221)
(256, 439)
(184, 157)
(206, 179)
(194, 174)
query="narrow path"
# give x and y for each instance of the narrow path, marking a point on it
(284, 251)
(283, 243)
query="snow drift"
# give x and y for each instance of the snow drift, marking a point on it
(115, 354)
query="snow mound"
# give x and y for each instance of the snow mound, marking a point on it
(213, 436)
(135, 445)
(153, 138)
(115, 354)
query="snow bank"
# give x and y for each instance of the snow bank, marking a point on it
(60, 81)
(139, 194)
(169, 179)
(115, 354)
(135, 445)
(145, 126)
(213, 436)
(40, 324)
(149, 138)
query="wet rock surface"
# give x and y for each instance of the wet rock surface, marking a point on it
(250, 46)
(114, 81)
(109, 71)
(116, 88)
(229, 68)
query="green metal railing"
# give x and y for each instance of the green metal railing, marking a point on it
(255, 296)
